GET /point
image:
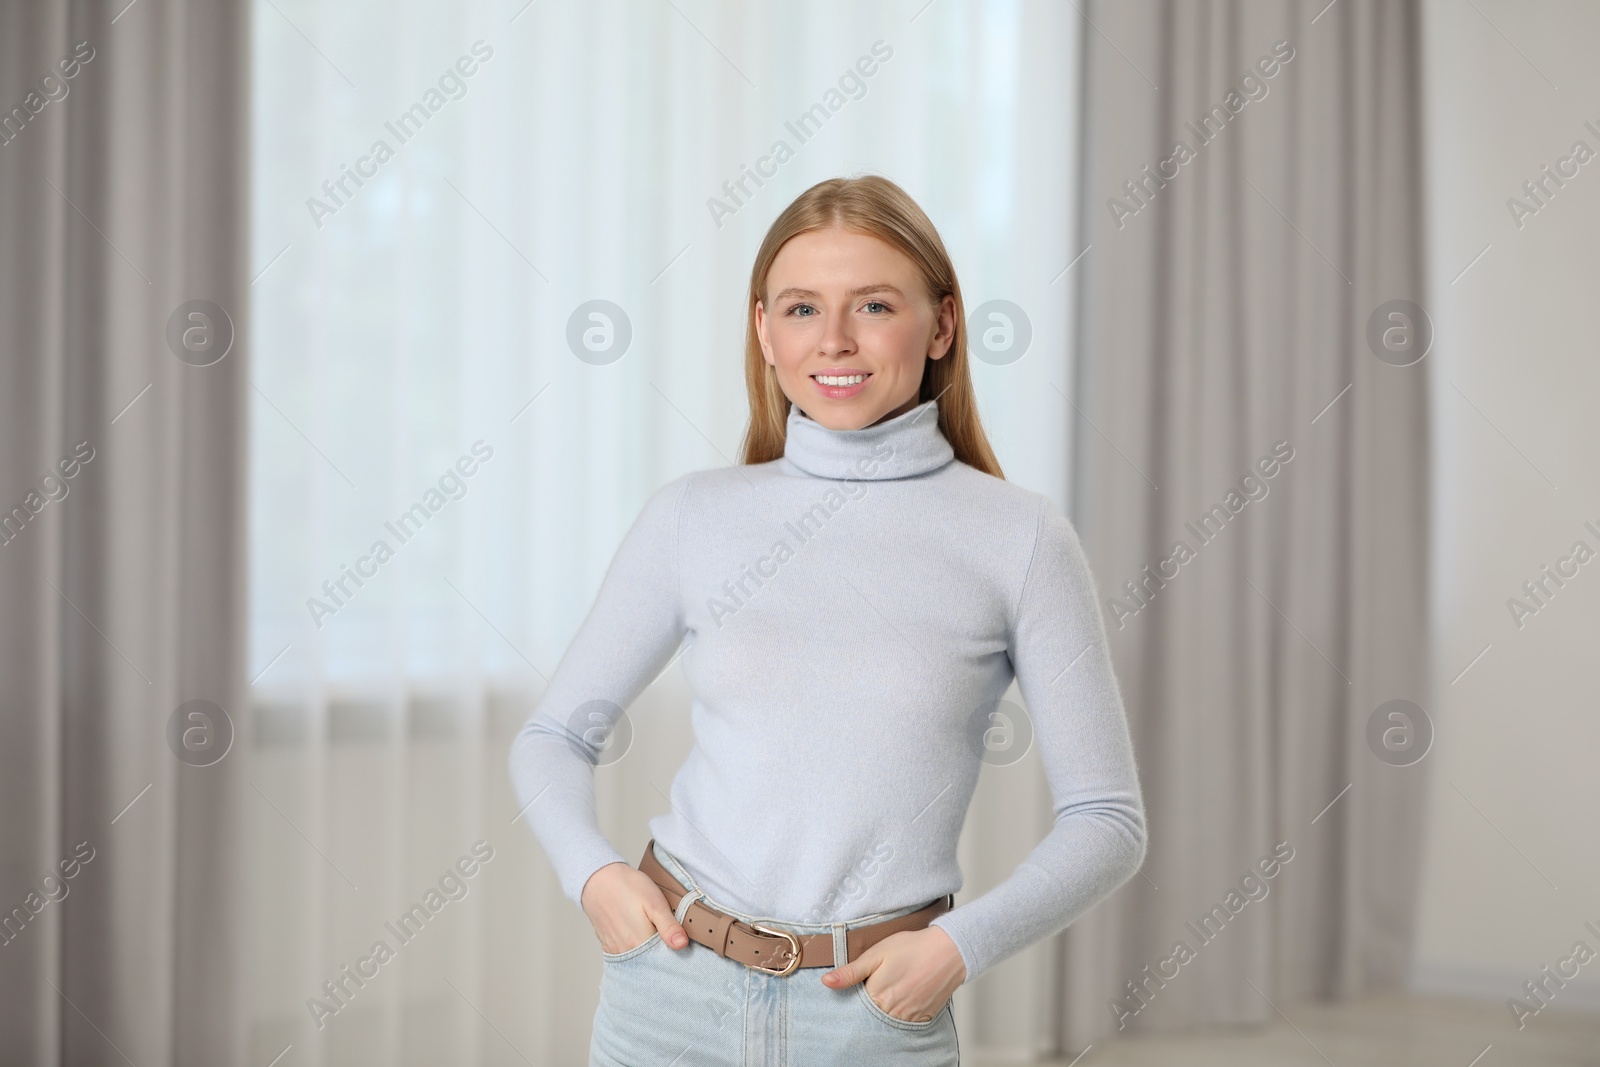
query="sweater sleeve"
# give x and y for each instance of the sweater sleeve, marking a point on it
(1062, 662)
(629, 635)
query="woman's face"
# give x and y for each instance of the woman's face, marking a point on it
(852, 309)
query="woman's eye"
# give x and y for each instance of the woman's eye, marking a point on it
(870, 304)
(798, 308)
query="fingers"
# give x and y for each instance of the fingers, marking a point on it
(846, 975)
(857, 970)
(656, 909)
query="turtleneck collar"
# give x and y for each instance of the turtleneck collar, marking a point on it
(902, 447)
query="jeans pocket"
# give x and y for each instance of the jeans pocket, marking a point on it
(637, 950)
(902, 1024)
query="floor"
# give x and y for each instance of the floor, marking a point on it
(1391, 1031)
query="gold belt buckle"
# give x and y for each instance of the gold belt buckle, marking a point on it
(794, 949)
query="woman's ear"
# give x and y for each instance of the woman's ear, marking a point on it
(761, 334)
(944, 332)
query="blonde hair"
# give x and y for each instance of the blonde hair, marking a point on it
(877, 207)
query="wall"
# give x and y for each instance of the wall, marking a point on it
(1511, 872)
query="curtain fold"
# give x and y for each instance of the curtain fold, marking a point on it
(123, 186)
(1234, 395)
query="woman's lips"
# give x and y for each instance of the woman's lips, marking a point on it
(842, 392)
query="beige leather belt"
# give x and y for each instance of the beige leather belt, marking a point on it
(769, 948)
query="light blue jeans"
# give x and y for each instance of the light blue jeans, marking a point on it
(690, 1007)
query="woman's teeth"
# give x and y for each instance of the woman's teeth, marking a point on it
(848, 379)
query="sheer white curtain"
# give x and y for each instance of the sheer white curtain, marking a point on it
(440, 476)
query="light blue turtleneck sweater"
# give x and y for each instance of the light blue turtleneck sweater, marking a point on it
(853, 611)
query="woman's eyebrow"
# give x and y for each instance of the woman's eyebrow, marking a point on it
(881, 287)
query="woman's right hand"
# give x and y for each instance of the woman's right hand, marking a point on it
(626, 907)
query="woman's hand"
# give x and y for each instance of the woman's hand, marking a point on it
(910, 975)
(625, 907)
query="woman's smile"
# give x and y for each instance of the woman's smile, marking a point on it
(840, 384)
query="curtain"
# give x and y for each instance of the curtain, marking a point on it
(122, 433)
(1252, 383)
(541, 277)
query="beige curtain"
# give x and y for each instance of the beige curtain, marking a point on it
(1226, 309)
(122, 199)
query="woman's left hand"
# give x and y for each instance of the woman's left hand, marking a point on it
(909, 975)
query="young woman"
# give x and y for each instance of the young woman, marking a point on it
(857, 595)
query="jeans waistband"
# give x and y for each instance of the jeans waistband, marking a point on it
(670, 862)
